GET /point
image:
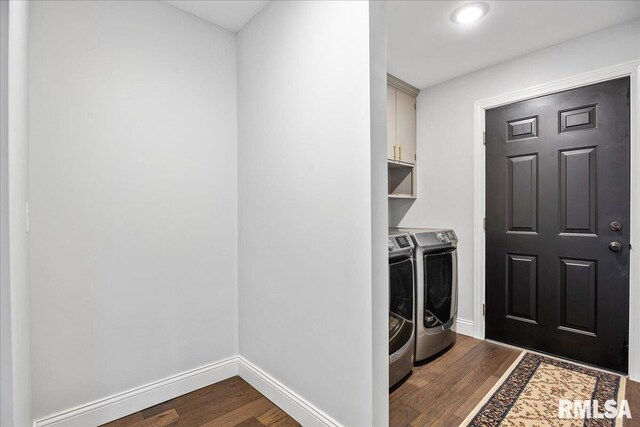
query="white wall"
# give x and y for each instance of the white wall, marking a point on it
(15, 354)
(379, 212)
(6, 384)
(133, 197)
(445, 133)
(306, 234)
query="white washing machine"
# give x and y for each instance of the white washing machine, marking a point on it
(436, 294)
(401, 307)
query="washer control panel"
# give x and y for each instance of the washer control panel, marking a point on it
(399, 242)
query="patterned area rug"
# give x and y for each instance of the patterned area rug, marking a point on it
(528, 394)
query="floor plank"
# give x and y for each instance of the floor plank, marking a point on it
(240, 415)
(127, 421)
(402, 415)
(232, 402)
(443, 391)
(632, 394)
(276, 417)
(161, 420)
(250, 422)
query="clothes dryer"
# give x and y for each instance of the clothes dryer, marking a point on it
(436, 294)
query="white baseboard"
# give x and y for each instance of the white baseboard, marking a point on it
(122, 404)
(301, 410)
(464, 327)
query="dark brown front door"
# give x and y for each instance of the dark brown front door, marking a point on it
(557, 234)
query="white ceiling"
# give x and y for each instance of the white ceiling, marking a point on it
(425, 47)
(232, 15)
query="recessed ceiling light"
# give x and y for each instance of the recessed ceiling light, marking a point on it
(469, 13)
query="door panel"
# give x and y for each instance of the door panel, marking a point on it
(576, 119)
(578, 202)
(578, 294)
(522, 287)
(522, 129)
(557, 174)
(522, 185)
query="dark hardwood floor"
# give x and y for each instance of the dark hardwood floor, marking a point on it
(445, 390)
(439, 393)
(632, 394)
(232, 402)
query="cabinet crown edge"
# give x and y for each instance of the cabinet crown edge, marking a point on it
(402, 85)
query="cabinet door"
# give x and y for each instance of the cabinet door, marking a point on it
(391, 121)
(406, 127)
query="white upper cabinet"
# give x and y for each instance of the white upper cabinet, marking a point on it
(401, 121)
(406, 127)
(391, 123)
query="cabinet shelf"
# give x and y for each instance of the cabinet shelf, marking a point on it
(397, 164)
(401, 180)
(401, 196)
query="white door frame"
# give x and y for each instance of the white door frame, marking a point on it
(631, 69)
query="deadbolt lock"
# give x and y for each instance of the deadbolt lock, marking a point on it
(615, 226)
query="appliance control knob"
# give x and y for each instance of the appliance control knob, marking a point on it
(441, 237)
(390, 246)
